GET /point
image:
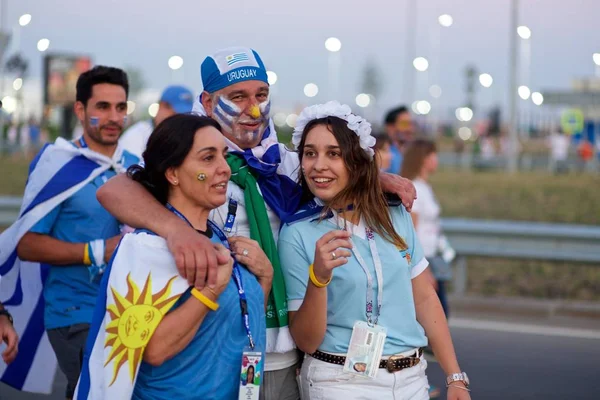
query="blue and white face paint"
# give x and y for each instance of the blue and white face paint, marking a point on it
(100, 131)
(241, 128)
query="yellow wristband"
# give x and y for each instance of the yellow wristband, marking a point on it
(313, 278)
(86, 254)
(205, 300)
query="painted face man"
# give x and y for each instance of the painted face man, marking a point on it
(236, 94)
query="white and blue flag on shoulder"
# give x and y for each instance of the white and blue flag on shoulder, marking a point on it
(57, 172)
(134, 297)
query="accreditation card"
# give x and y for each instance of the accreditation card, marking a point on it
(365, 349)
(251, 374)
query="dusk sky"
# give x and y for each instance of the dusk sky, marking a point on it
(290, 35)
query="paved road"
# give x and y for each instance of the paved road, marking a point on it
(546, 363)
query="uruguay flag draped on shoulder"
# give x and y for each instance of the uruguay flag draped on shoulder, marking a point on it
(134, 296)
(57, 172)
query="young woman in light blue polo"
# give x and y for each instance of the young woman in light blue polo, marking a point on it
(359, 305)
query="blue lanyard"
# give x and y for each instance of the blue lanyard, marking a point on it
(237, 275)
(233, 205)
(82, 142)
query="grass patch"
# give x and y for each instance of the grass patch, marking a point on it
(532, 278)
(13, 175)
(527, 196)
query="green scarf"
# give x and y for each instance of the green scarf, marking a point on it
(260, 230)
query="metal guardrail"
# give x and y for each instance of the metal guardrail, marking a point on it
(9, 209)
(522, 240)
(503, 239)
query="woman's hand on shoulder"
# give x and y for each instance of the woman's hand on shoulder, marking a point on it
(249, 253)
(332, 251)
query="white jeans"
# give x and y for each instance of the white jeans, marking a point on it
(319, 380)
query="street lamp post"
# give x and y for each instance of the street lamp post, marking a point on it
(43, 45)
(334, 62)
(443, 21)
(596, 58)
(410, 51)
(311, 90)
(23, 21)
(512, 90)
(175, 63)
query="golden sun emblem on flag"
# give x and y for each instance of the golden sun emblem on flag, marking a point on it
(133, 320)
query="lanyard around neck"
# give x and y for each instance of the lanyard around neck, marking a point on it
(82, 142)
(237, 275)
(371, 320)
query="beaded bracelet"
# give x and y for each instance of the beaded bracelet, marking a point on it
(314, 280)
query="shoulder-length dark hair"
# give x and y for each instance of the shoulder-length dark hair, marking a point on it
(167, 147)
(364, 189)
(414, 157)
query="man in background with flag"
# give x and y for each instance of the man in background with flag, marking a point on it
(53, 256)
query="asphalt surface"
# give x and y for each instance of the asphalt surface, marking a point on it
(505, 359)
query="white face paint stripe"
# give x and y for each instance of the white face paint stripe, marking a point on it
(265, 108)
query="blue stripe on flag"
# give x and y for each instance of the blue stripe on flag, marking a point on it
(237, 58)
(72, 173)
(83, 387)
(36, 159)
(7, 266)
(16, 372)
(17, 297)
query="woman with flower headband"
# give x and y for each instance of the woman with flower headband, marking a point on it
(360, 307)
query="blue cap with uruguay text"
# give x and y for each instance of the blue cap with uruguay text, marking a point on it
(230, 66)
(180, 98)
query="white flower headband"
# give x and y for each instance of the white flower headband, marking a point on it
(335, 109)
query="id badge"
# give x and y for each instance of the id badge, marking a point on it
(251, 374)
(365, 349)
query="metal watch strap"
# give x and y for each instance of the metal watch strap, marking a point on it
(5, 312)
(458, 377)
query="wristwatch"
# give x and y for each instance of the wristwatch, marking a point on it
(5, 312)
(461, 377)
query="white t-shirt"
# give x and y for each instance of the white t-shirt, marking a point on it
(288, 166)
(559, 146)
(135, 138)
(427, 210)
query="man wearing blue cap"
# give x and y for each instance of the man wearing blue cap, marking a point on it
(262, 191)
(174, 100)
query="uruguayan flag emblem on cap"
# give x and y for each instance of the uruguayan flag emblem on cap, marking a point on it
(229, 66)
(236, 58)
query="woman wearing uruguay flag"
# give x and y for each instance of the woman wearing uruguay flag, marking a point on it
(153, 336)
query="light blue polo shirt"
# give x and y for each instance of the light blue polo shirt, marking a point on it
(346, 294)
(210, 366)
(69, 295)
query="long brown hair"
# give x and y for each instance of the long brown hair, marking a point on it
(414, 157)
(363, 189)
